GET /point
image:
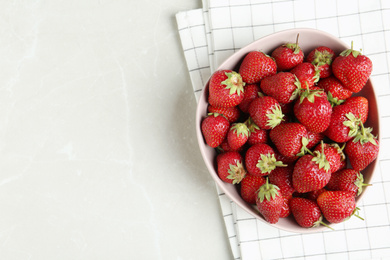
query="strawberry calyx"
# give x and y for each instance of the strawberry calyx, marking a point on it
(320, 158)
(234, 83)
(339, 150)
(236, 172)
(322, 57)
(353, 123)
(275, 117)
(310, 94)
(304, 148)
(296, 92)
(240, 128)
(364, 135)
(294, 46)
(320, 222)
(334, 101)
(355, 213)
(359, 182)
(251, 125)
(267, 191)
(347, 52)
(268, 163)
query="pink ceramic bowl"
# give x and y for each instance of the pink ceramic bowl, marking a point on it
(308, 40)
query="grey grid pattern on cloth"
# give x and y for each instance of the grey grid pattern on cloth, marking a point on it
(211, 34)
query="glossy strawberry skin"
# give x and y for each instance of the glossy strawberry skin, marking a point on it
(352, 71)
(280, 86)
(361, 155)
(332, 154)
(287, 138)
(322, 57)
(260, 108)
(224, 162)
(232, 114)
(271, 209)
(306, 74)
(250, 93)
(258, 136)
(282, 177)
(253, 155)
(315, 116)
(314, 138)
(238, 135)
(214, 129)
(249, 186)
(255, 66)
(359, 106)
(307, 176)
(306, 212)
(219, 94)
(344, 180)
(286, 59)
(336, 206)
(335, 87)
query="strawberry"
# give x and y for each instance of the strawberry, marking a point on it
(255, 66)
(347, 180)
(335, 90)
(230, 167)
(333, 154)
(287, 56)
(238, 135)
(363, 149)
(313, 110)
(307, 74)
(311, 172)
(359, 106)
(226, 88)
(344, 124)
(214, 129)
(282, 177)
(269, 202)
(285, 159)
(265, 111)
(285, 211)
(313, 195)
(232, 114)
(260, 160)
(249, 187)
(313, 138)
(251, 91)
(352, 68)
(289, 138)
(306, 212)
(322, 57)
(337, 206)
(282, 86)
(256, 134)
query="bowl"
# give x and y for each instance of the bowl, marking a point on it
(308, 40)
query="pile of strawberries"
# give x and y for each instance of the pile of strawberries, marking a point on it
(285, 125)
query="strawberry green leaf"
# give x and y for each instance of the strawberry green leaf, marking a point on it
(276, 117)
(234, 83)
(268, 163)
(267, 191)
(236, 172)
(240, 129)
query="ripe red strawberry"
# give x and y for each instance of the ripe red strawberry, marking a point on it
(285, 212)
(265, 111)
(232, 114)
(347, 180)
(260, 160)
(249, 187)
(352, 68)
(226, 88)
(313, 139)
(230, 167)
(256, 66)
(215, 128)
(359, 106)
(313, 110)
(322, 57)
(363, 149)
(337, 206)
(285, 159)
(256, 134)
(238, 135)
(335, 90)
(313, 195)
(311, 172)
(333, 154)
(307, 74)
(288, 138)
(282, 177)
(306, 212)
(287, 56)
(282, 86)
(269, 202)
(251, 91)
(344, 124)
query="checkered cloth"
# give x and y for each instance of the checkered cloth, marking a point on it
(212, 34)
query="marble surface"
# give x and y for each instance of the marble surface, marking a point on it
(99, 158)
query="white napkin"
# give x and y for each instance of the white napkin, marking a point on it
(211, 34)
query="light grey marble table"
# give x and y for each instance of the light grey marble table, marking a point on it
(99, 158)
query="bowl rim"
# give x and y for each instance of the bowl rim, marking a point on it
(199, 116)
